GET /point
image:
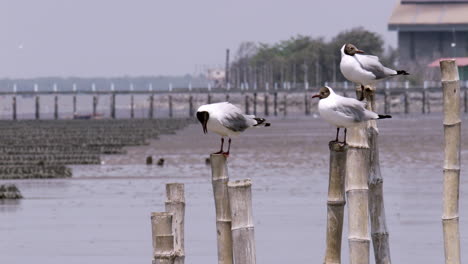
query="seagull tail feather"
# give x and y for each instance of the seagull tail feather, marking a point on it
(402, 72)
(384, 116)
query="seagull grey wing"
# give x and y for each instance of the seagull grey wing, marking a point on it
(352, 108)
(235, 122)
(372, 64)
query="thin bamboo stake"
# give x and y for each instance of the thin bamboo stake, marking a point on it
(452, 132)
(163, 239)
(240, 198)
(379, 232)
(220, 179)
(357, 171)
(175, 204)
(336, 201)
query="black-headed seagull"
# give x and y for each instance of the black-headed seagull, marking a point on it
(226, 120)
(364, 69)
(343, 112)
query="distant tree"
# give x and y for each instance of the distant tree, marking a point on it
(289, 60)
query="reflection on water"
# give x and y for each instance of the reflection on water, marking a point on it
(101, 215)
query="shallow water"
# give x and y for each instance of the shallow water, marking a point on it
(101, 215)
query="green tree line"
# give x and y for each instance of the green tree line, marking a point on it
(302, 58)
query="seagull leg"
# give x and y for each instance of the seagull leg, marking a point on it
(229, 148)
(222, 143)
(337, 132)
(361, 97)
(345, 130)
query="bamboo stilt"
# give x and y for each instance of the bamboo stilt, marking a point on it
(94, 105)
(151, 107)
(452, 133)
(255, 103)
(14, 107)
(243, 240)
(379, 232)
(132, 107)
(275, 104)
(220, 179)
(56, 107)
(38, 112)
(163, 239)
(170, 107)
(357, 193)
(175, 204)
(336, 202)
(266, 104)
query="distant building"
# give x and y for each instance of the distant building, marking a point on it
(430, 29)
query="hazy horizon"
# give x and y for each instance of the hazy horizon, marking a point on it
(149, 38)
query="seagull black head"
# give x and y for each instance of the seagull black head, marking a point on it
(350, 49)
(323, 93)
(203, 117)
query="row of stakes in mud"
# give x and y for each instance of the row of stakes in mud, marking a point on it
(234, 220)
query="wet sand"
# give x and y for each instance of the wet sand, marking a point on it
(101, 215)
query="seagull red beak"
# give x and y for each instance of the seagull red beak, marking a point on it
(359, 51)
(316, 96)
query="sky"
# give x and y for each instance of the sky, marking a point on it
(90, 38)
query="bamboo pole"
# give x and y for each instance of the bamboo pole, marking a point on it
(379, 232)
(275, 103)
(466, 97)
(113, 105)
(255, 103)
(74, 104)
(163, 239)
(94, 105)
(38, 114)
(220, 179)
(191, 113)
(247, 106)
(336, 202)
(175, 204)
(266, 105)
(406, 98)
(170, 106)
(452, 132)
(151, 106)
(56, 107)
(423, 99)
(357, 193)
(285, 104)
(306, 104)
(132, 107)
(243, 241)
(14, 107)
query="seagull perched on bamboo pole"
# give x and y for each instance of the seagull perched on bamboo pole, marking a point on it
(343, 112)
(226, 120)
(364, 69)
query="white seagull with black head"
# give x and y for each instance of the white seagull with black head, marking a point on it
(343, 112)
(363, 69)
(226, 120)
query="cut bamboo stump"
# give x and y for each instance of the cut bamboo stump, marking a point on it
(240, 198)
(452, 133)
(379, 232)
(220, 179)
(163, 239)
(357, 193)
(175, 204)
(336, 202)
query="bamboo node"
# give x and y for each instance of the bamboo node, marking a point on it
(458, 122)
(447, 218)
(336, 203)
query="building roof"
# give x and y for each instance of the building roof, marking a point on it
(461, 62)
(429, 15)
